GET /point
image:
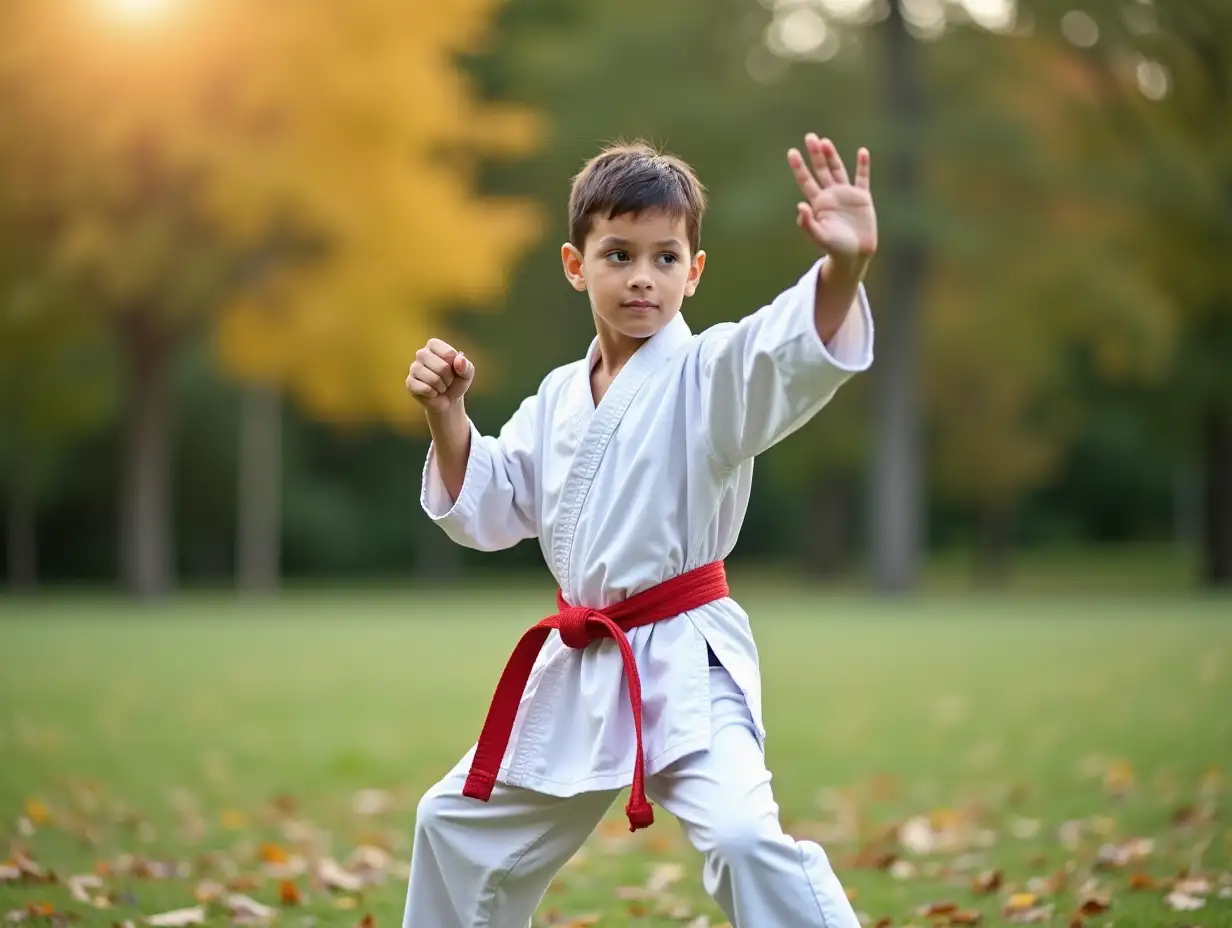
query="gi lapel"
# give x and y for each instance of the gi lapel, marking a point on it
(602, 426)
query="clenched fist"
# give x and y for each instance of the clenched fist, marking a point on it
(439, 376)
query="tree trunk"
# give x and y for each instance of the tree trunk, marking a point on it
(828, 534)
(1217, 497)
(145, 499)
(994, 544)
(897, 506)
(260, 491)
(21, 530)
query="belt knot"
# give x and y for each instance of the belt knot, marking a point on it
(579, 626)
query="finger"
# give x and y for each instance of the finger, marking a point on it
(821, 163)
(441, 349)
(804, 179)
(417, 387)
(462, 366)
(442, 367)
(835, 162)
(438, 379)
(862, 168)
(806, 219)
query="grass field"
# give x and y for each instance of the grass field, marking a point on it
(1053, 755)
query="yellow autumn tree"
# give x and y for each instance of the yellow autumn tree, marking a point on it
(299, 179)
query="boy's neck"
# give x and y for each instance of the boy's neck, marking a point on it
(615, 349)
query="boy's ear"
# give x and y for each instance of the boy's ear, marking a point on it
(695, 273)
(571, 259)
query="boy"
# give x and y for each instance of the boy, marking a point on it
(632, 466)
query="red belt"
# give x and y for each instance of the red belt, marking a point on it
(578, 627)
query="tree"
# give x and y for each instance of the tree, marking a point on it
(55, 385)
(1160, 127)
(301, 178)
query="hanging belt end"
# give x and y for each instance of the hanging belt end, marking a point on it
(640, 813)
(479, 785)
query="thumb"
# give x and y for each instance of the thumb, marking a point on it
(462, 367)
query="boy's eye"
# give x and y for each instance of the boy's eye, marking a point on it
(670, 257)
(618, 255)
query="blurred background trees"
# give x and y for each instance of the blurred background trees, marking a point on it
(225, 228)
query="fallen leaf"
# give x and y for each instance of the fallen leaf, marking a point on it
(1183, 902)
(903, 870)
(271, 853)
(233, 820)
(179, 917)
(916, 835)
(1193, 885)
(1020, 901)
(371, 802)
(288, 893)
(1031, 915)
(966, 917)
(9, 873)
(663, 876)
(209, 890)
(1118, 778)
(37, 811)
(1094, 904)
(1142, 881)
(989, 881)
(79, 886)
(249, 908)
(930, 909)
(332, 874)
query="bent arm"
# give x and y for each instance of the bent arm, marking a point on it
(481, 489)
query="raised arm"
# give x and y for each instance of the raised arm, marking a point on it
(480, 489)
(768, 374)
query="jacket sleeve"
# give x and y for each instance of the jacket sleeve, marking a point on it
(768, 374)
(497, 506)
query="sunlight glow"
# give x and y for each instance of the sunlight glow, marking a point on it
(1080, 29)
(1153, 79)
(137, 10)
(993, 15)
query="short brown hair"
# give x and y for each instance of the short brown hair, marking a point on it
(631, 177)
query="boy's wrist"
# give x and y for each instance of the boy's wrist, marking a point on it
(449, 426)
(846, 270)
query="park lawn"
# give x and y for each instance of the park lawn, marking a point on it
(946, 750)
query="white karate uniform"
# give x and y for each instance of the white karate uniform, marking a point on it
(650, 483)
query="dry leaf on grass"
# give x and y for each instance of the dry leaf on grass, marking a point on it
(1180, 901)
(988, 881)
(80, 887)
(178, 918)
(663, 876)
(334, 876)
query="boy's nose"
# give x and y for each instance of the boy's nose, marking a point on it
(641, 279)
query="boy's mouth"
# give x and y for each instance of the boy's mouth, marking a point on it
(638, 304)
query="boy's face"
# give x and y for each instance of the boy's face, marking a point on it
(637, 271)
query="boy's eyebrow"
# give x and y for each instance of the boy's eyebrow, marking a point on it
(609, 240)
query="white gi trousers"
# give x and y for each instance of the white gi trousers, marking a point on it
(488, 865)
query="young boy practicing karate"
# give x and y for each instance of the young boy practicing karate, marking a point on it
(632, 467)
